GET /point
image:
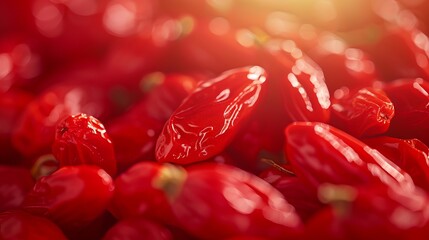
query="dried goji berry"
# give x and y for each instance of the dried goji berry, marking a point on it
(367, 112)
(82, 139)
(208, 119)
(320, 153)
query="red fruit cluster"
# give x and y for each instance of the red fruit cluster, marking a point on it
(223, 120)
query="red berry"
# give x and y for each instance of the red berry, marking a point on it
(212, 201)
(34, 132)
(320, 153)
(82, 139)
(72, 197)
(207, 120)
(367, 112)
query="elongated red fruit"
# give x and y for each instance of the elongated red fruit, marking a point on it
(206, 122)
(217, 201)
(320, 153)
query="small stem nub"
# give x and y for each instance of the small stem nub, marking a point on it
(44, 166)
(338, 196)
(170, 180)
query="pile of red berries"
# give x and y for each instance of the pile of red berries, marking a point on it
(217, 119)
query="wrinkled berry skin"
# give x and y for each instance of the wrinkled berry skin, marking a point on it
(34, 131)
(82, 139)
(208, 119)
(367, 112)
(72, 197)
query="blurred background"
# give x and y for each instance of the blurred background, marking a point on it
(40, 37)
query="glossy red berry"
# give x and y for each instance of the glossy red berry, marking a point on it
(72, 197)
(82, 139)
(214, 200)
(207, 120)
(320, 153)
(367, 112)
